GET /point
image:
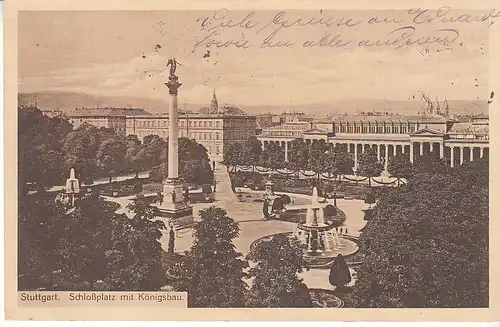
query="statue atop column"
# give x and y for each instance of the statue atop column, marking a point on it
(173, 81)
(173, 66)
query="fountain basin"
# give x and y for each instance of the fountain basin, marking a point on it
(319, 258)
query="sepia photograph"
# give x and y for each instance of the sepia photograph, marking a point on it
(255, 158)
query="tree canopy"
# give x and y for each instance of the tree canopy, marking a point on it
(427, 244)
(276, 263)
(72, 250)
(212, 271)
(251, 151)
(273, 156)
(40, 154)
(368, 165)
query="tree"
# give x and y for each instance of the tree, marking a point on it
(400, 166)
(251, 151)
(72, 250)
(111, 157)
(135, 257)
(232, 156)
(40, 157)
(212, 271)
(136, 158)
(298, 156)
(337, 162)
(171, 240)
(317, 153)
(194, 164)
(430, 164)
(273, 156)
(427, 244)
(278, 260)
(80, 149)
(339, 272)
(155, 150)
(369, 166)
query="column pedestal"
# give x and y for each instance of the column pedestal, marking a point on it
(173, 207)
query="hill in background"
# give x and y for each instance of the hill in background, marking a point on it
(68, 101)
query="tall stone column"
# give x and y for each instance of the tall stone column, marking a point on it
(452, 156)
(173, 131)
(173, 204)
(355, 155)
(421, 148)
(386, 162)
(441, 150)
(471, 157)
(412, 155)
(481, 152)
(431, 147)
(461, 155)
(286, 151)
(378, 152)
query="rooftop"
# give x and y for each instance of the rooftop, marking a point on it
(395, 118)
(464, 128)
(106, 112)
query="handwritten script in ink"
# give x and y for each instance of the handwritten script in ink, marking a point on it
(282, 29)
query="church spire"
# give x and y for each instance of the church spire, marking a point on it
(214, 106)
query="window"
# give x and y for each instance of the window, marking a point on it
(217, 124)
(210, 123)
(217, 136)
(190, 123)
(204, 124)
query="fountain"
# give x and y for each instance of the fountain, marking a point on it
(320, 234)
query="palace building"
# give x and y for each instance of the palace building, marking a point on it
(215, 127)
(455, 142)
(103, 117)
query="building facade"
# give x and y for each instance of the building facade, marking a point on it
(114, 118)
(215, 130)
(388, 135)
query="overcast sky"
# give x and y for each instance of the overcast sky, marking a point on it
(116, 53)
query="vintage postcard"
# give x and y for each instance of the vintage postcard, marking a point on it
(268, 160)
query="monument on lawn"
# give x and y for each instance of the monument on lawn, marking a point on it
(173, 206)
(72, 190)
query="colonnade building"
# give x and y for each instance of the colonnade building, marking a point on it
(455, 142)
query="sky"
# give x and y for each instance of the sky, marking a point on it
(124, 53)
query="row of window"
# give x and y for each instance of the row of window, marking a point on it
(282, 133)
(201, 135)
(391, 129)
(164, 123)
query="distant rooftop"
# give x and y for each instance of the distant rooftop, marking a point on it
(106, 112)
(401, 118)
(226, 108)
